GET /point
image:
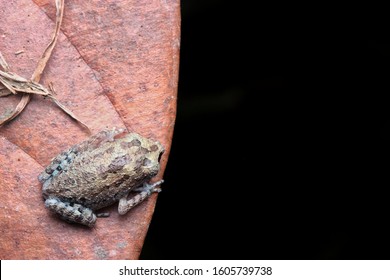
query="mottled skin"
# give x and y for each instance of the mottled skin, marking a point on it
(99, 172)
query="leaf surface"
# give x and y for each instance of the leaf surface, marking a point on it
(115, 65)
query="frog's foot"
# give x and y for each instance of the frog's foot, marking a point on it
(144, 192)
(71, 212)
(103, 215)
(147, 187)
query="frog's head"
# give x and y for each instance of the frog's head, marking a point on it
(145, 152)
(153, 153)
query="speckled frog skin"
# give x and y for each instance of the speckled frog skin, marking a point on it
(99, 172)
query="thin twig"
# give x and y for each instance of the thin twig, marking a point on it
(3, 63)
(66, 110)
(3, 89)
(13, 83)
(36, 76)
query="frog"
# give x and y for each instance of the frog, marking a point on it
(110, 166)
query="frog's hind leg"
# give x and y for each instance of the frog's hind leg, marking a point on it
(144, 192)
(57, 165)
(71, 212)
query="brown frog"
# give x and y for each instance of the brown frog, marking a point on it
(100, 171)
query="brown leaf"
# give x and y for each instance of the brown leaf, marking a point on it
(115, 65)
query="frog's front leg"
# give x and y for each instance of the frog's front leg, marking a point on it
(71, 212)
(144, 192)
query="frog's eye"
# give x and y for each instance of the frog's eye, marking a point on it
(160, 156)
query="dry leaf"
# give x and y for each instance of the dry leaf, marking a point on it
(3, 63)
(13, 83)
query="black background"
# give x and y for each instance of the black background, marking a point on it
(281, 142)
